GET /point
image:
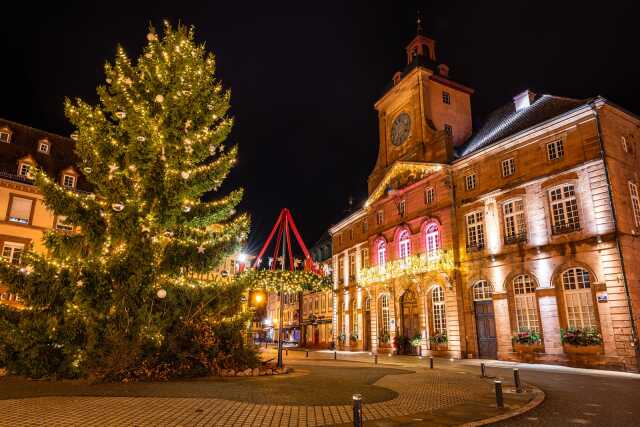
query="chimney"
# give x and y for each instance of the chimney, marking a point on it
(523, 100)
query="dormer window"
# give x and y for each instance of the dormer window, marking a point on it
(24, 169)
(69, 181)
(5, 136)
(446, 97)
(43, 146)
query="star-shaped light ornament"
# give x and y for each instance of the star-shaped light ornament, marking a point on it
(113, 167)
(201, 249)
(145, 228)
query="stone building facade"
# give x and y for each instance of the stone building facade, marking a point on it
(513, 242)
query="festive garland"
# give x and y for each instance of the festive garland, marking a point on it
(441, 263)
(291, 281)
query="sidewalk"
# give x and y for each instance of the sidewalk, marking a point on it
(446, 395)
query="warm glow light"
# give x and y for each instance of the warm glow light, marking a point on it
(259, 298)
(242, 257)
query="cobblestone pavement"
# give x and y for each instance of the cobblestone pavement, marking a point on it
(419, 391)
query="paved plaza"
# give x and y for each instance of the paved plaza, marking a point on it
(317, 393)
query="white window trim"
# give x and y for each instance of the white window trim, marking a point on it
(44, 144)
(580, 299)
(73, 180)
(432, 240)
(404, 245)
(565, 226)
(515, 225)
(526, 304)
(429, 195)
(558, 149)
(365, 257)
(470, 181)
(13, 247)
(380, 217)
(382, 254)
(482, 291)
(635, 202)
(477, 226)
(7, 139)
(29, 166)
(439, 310)
(508, 167)
(385, 327)
(61, 225)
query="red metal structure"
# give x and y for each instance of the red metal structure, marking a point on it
(281, 228)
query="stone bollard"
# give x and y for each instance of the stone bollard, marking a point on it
(357, 410)
(516, 380)
(499, 397)
(375, 358)
(430, 362)
(335, 355)
(286, 351)
(307, 353)
(483, 372)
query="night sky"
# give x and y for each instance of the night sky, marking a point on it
(305, 75)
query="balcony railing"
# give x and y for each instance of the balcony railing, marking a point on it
(475, 247)
(564, 228)
(515, 238)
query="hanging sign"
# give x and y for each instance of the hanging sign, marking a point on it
(602, 296)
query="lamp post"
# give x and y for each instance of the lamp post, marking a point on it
(281, 308)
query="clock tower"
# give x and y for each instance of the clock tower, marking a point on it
(424, 114)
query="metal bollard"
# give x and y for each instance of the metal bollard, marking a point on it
(335, 355)
(516, 380)
(286, 351)
(483, 372)
(499, 397)
(375, 358)
(430, 362)
(307, 353)
(357, 410)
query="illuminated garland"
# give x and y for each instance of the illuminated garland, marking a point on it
(291, 281)
(400, 168)
(441, 263)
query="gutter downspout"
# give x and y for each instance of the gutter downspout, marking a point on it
(634, 332)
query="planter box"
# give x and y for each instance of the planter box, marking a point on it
(528, 348)
(583, 349)
(439, 347)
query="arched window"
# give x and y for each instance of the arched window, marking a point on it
(578, 299)
(526, 307)
(439, 317)
(367, 304)
(482, 291)
(382, 253)
(354, 317)
(384, 315)
(404, 245)
(432, 236)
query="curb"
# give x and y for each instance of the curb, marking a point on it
(535, 402)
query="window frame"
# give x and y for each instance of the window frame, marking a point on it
(8, 137)
(354, 321)
(557, 148)
(448, 129)
(44, 143)
(635, 202)
(379, 217)
(13, 247)
(402, 207)
(526, 317)
(74, 180)
(385, 315)
(470, 181)
(364, 258)
(510, 168)
(514, 223)
(486, 290)
(352, 265)
(431, 240)
(563, 202)
(438, 310)
(478, 241)
(578, 298)
(27, 173)
(429, 196)
(382, 253)
(12, 197)
(446, 97)
(404, 245)
(59, 223)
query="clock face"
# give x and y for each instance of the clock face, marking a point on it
(400, 129)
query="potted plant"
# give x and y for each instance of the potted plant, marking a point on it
(354, 337)
(342, 338)
(439, 341)
(581, 340)
(527, 341)
(402, 344)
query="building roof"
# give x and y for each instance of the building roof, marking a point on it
(506, 121)
(24, 142)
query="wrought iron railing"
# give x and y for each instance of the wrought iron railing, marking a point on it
(567, 227)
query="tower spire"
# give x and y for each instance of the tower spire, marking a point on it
(418, 24)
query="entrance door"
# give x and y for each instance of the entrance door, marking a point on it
(410, 321)
(486, 327)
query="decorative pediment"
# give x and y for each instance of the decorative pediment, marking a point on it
(400, 175)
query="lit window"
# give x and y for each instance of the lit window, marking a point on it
(555, 150)
(24, 169)
(354, 322)
(352, 265)
(365, 258)
(382, 253)
(12, 252)
(69, 181)
(432, 236)
(62, 224)
(379, 217)
(20, 210)
(402, 207)
(470, 181)
(448, 130)
(508, 167)
(564, 209)
(482, 291)
(43, 147)
(446, 97)
(578, 298)
(340, 269)
(439, 313)
(385, 326)
(429, 195)
(475, 230)
(526, 307)
(5, 136)
(514, 224)
(404, 245)
(635, 202)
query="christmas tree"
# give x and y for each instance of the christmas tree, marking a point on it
(119, 297)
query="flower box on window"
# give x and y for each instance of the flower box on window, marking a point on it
(439, 342)
(527, 342)
(581, 340)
